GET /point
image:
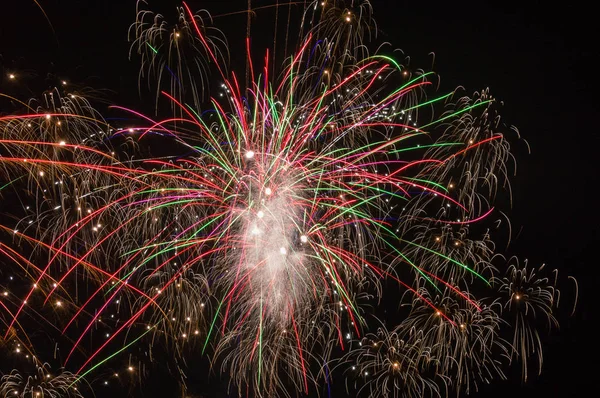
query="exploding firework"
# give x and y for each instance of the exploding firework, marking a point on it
(259, 228)
(175, 53)
(467, 345)
(529, 302)
(42, 383)
(397, 367)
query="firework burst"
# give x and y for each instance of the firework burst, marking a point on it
(258, 229)
(397, 367)
(530, 301)
(174, 57)
(40, 384)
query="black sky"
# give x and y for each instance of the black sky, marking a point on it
(540, 60)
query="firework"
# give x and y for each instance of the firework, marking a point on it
(397, 367)
(175, 53)
(260, 228)
(467, 346)
(42, 383)
(529, 304)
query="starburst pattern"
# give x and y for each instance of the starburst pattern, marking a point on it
(260, 224)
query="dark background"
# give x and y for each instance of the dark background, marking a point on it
(540, 60)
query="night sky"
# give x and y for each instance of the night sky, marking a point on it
(537, 59)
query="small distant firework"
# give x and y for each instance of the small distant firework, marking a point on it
(41, 383)
(395, 366)
(174, 57)
(467, 346)
(529, 303)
